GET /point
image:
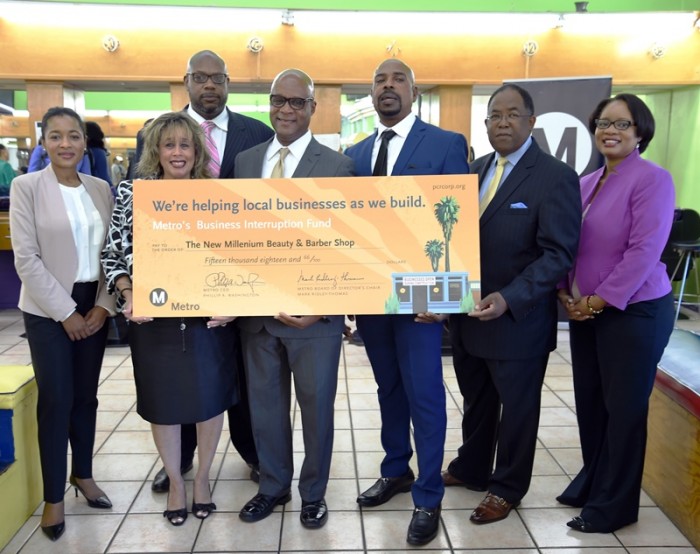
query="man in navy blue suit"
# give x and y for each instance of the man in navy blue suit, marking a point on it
(530, 221)
(404, 350)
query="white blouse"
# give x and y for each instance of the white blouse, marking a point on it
(88, 231)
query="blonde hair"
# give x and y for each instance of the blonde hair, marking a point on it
(149, 165)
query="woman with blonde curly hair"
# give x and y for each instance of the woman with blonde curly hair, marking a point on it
(182, 365)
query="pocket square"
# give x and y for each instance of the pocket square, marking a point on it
(518, 206)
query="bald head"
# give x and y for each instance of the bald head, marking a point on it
(206, 82)
(300, 75)
(393, 91)
(205, 54)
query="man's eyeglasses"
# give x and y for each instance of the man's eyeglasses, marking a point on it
(277, 100)
(510, 117)
(216, 78)
(619, 124)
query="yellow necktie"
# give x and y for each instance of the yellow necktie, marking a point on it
(278, 170)
(493, 185)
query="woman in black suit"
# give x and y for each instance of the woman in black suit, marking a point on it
(59, 218)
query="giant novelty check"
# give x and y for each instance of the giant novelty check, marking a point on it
(350, 245)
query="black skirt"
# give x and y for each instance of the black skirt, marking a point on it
(184, 372)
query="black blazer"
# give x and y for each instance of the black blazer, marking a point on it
(529, 236)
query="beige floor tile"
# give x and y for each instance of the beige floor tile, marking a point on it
(556, 383)
(117, 402)
(123, 467)
(108, 421)
(77, 539)
(367, 439)
(153, 533)
(652, 529)
(343, 465)
(342, 531)
(551, 400)
(461, 498)
(362, 386)
(231, 496)
(130, 442)
(545, 464)
(369, 463)
(568, 458)
(602, 550)
(23, 534)
(225, 532)
(548, 529)
(366, 419)
(147, 501)
(134, 422)
(559, 437)
(662, 550)
(507, 534)
(366, 401)
(557, 417)
(544, 490)
(116, 386)
(387, 529)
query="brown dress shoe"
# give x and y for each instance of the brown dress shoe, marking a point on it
(492, 508)
(450, 480)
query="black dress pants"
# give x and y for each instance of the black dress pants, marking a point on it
(67, 373)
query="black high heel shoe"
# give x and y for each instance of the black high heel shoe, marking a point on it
(580, 524)
(101, 502)
(202, 511)
(54, 532)
(176, 517)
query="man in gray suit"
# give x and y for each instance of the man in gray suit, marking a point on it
(307, 347)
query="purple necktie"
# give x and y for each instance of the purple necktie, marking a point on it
(215, 162)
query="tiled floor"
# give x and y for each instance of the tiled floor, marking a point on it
(126, 460)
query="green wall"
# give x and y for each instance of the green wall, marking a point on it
(676, 146)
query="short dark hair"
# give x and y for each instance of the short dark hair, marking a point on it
(525, 95)
(641, 114)
(95, 135)
(60, 111)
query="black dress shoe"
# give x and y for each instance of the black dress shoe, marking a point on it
(580, 524)
(261, 506)
(424, 525)
(54, 532)
(314, 514)
(102, 502)
(161, 482)
(385, 488)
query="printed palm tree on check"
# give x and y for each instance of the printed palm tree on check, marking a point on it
(446, 212)
(434, 250)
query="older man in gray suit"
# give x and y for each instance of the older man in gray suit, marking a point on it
(307, 347)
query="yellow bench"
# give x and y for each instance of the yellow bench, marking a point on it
(20, 481)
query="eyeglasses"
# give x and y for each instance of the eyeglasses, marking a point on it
(216, 78)
(510, 117)
(619, 124)
(277, 100)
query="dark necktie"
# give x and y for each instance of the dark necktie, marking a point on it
(380, 164)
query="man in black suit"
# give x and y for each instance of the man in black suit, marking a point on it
(206, 81)
(529, 227)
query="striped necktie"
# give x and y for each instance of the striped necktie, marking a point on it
(215, 162)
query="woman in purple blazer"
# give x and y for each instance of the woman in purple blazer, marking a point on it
(618, 297)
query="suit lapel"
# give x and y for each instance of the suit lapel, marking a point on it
(414, 138)
(515, 178)
(363, 160)
(308, 160)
